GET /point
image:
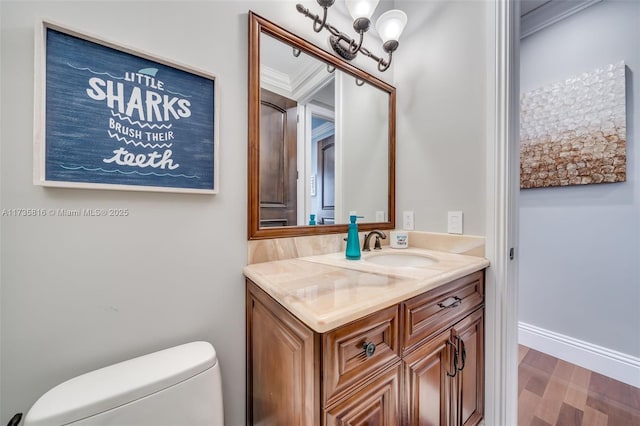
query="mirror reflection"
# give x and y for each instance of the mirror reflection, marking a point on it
(321, 139)
(324, 142)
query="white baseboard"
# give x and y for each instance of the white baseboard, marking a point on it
(618, 366)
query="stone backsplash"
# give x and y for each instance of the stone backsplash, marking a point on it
(289, 248)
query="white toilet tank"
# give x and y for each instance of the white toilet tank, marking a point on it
(180, 386)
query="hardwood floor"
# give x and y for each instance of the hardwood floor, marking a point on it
(552, 392)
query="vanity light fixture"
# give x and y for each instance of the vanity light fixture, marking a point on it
(389, 26)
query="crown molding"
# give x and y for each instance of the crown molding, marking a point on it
(550, 13)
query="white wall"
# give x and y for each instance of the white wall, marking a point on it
(79, 293)
(580, 245)
(363, 119)
(440, 75)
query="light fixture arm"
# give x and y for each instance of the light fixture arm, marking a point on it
(353, 47)
(344, 45)
(382, 64)
(317, 24)
(316, 19)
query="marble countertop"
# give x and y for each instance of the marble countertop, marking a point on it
(328, 291)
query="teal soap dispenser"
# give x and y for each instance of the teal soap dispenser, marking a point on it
(353, 243)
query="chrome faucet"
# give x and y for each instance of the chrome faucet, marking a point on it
(367, 237)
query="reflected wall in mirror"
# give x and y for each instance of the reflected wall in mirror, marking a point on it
(321, 139)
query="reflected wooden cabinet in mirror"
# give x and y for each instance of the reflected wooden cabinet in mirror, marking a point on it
(321, 139)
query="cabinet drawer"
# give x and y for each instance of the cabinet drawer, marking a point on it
(346, 362)
(427, 314)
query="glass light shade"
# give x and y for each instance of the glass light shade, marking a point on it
(361, 8)
(391, 24)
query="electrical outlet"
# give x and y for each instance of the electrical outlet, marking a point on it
(380, 216)
(454, 222)
(408, 222)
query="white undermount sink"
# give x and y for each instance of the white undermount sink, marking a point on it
(409, 260)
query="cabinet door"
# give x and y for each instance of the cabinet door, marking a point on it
(375, 403)
(427, 383)
(469, 380)
(281, 375)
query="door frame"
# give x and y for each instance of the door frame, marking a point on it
(307, 111)
(502, 186)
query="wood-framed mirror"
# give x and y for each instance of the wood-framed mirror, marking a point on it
(321, 139)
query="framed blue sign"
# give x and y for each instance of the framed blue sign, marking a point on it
(112, 118)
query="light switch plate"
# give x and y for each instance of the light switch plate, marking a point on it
(408, 220)
(312, 185)
(454, 222)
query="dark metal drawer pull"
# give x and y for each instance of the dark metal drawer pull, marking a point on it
(451, 302)
(369, 349)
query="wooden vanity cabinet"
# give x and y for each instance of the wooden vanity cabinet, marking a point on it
(444, 354)
(438, 393)
(283, 378)
(416, 375)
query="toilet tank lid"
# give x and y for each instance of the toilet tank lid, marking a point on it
(117, 384)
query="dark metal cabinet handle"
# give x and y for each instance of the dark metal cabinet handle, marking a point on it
(451, 302)
(455, 359)
(369, 349)
(463, 352)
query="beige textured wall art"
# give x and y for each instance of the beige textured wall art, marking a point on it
(573, 132)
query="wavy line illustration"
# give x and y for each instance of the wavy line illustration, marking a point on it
(177, 93)
(126, 173)
(95, 72)
(142, 144)
(142, 125)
